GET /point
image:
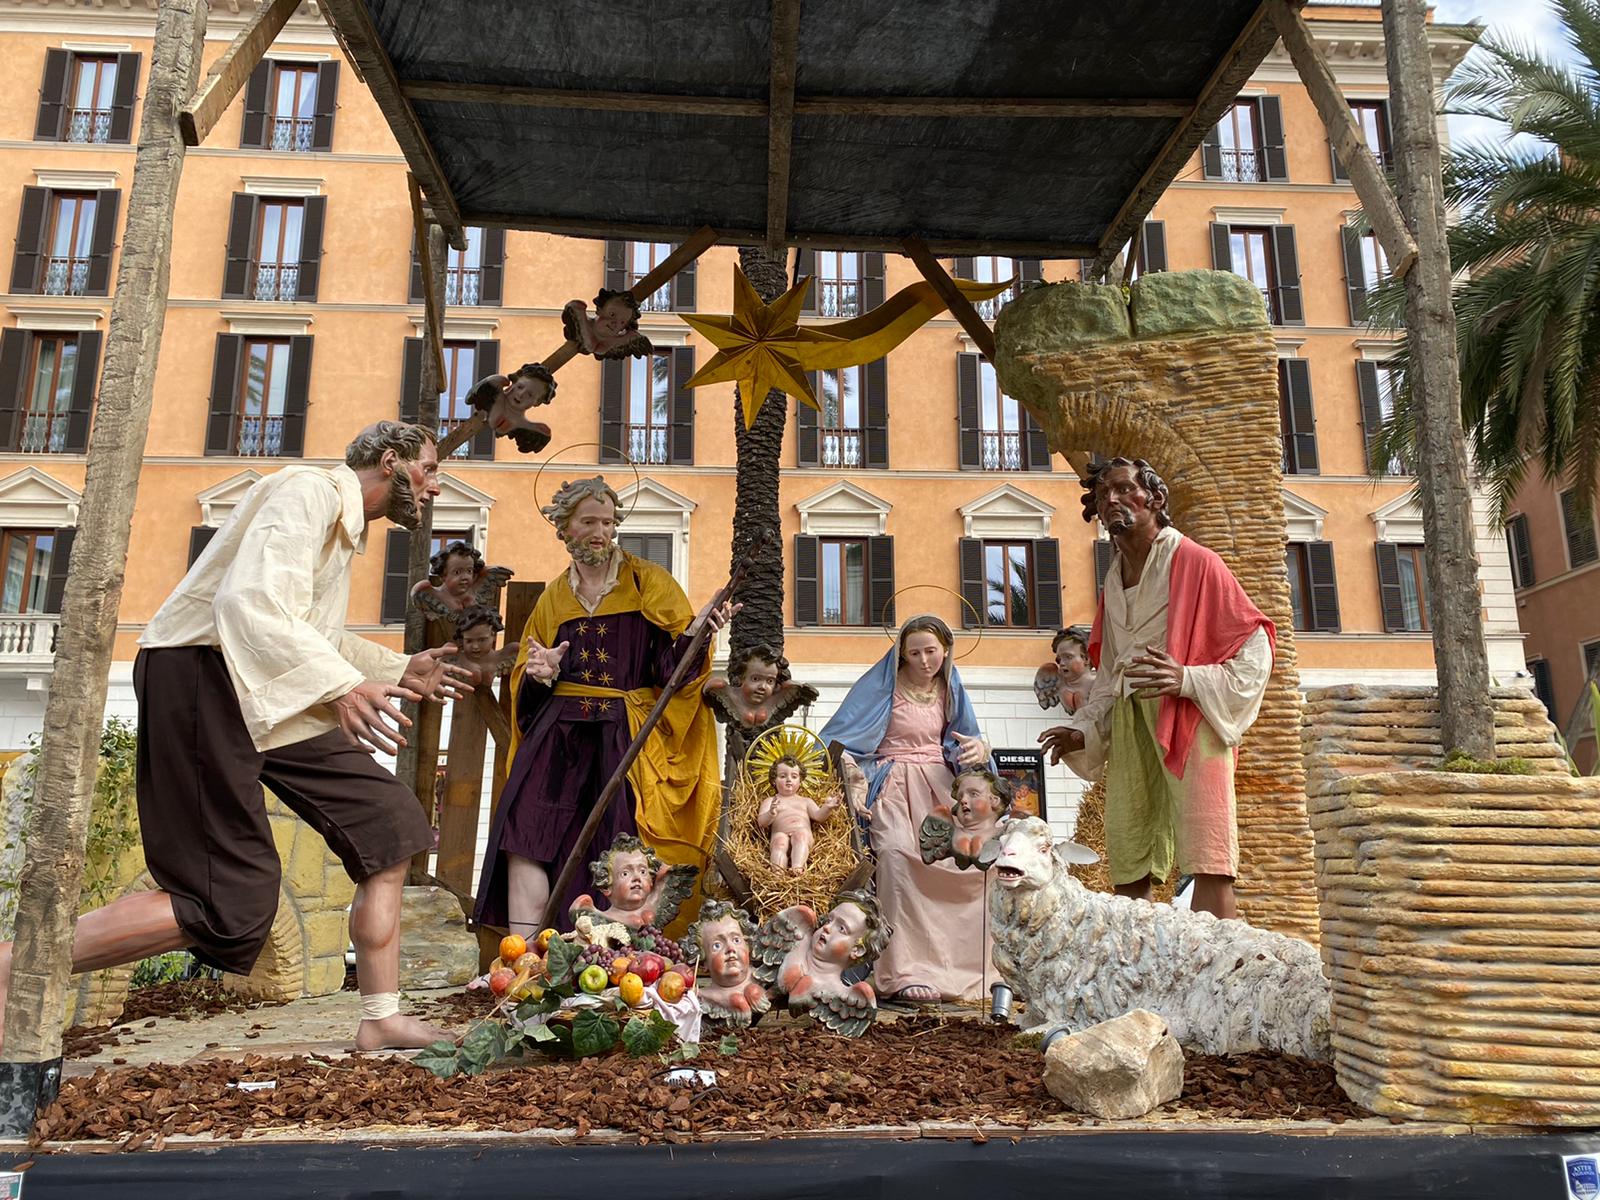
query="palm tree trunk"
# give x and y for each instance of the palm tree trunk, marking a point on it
(47, 904)
(756, 482)
(1454, 607)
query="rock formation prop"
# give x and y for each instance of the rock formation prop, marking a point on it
(1460, 913)
(1186, 376)
(1081, 957)
(1118, 1069)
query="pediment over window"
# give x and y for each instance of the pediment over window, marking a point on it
(1304, 518)
(1007, 511)
(1400, 520)
(30, 498)
(653, 507)
(841, 510)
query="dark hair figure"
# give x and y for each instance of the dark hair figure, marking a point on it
(458, 580)
(756, 695)
(613, 331)
(1151, 482)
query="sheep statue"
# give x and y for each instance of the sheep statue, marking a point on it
(1082, 957)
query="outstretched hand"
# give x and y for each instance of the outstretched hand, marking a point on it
(717, 615)
(432, 678)
(370, 715)
(545, 664)
(1060, 741)
(972, 752)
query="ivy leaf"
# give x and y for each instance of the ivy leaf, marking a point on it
(560, 960)
(441, 1058)
(485, 1043)
(540, 1033)
(592, 1033)
(729, 1045)
(682, 1052)
(644, 1036)
(547, 1003)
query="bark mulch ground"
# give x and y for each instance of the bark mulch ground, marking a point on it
(181, 1000)
(782, 1079)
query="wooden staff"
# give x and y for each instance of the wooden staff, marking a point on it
(620, 775)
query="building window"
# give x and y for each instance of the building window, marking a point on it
(1579, 530)
(838, 283)
(1251, 249)
(839, 393)
(263, 391)
(1239, 133)
(1002, 418)
(1365, 267)
(86, 98)
(69, 243)
(1520, 546)
(94, 83)
(644, 257)
(1313, 591)
(842, 581)
(1591, 662)
(460, 370)
(279, 224)
(1403, 587)
(25, 556)
(992, 268)
(1372, 119)
(1008, 582)
(397, 568)
(653, 547)
(1299, 585)
(463, 272)
(294, 106)
(1377, 383)
(1542, 688)
(646, 430)
(1374, 262)
(48, 400)
(1297, 417)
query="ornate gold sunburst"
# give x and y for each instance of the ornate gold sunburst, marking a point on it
(783, 740)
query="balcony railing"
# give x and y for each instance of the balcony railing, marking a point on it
(646, 443)
(89, 125)
(260, 437)
(659, 300)
(838, 297)
(1002, 450)
(28, 637)
(841, 447)
(43, 433)
(1241, 166)
(461, 286)
(66, 276)
(291, 133)
(990, 309)
(447, 426)
(277, 281)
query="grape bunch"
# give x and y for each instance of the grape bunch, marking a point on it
(649, 938)
(597, 956)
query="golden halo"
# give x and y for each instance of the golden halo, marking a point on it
(780, 740)
(893, 632)
(637, 479)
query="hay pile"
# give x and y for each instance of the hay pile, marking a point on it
(833, 855)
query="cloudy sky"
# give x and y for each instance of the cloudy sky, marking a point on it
(1528, 21)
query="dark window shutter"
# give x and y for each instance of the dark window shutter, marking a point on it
(411, 379)
(1047, 583)
(241, 245)
(1354, 277)
(30, 239)
(316, 211)
(1521, 551)
(1324, 587)
(53, 96)
(55, 588)
(485, 362)
(15, 346)
(296, 398)
(964, 268)
(969, 416)
(680, 403)
(491, 283)
(1274, 160)
(102, 242)
(805, 580)
(1302, 433)
(875, 413)
(1153, 247)
(199, 538)
(1030, 270)
(972, 583)
(396, 577)
(613, 387)
(327, 102)
(1286, 266)
(807, 429)
(617, 266)
(1221, 247)
(805, 266)
(1035, 446)
(683, 289)
(872, 280)
(1394, 613)
(1542, 688)
(1086, 271)
(224, 393)
(414, 288)
(1104, 551)
(1211, 156)
(1371, 408)
(86, 376)
(257, 99)
(122, 97)
(880, 581)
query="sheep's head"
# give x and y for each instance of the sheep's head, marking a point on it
(1026, 861)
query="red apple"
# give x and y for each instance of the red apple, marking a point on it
(500, 981)
(649, 967)
(686, 971)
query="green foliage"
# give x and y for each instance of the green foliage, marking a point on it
(163, 968)
(1460, 761)
(682, 1052)
(728, 1046)
(647, 1035)
(593, 1032)
(443, 1058)
(561, 962)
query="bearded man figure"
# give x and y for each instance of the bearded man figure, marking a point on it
(603, 639)
(1183, 657)
(247, 676)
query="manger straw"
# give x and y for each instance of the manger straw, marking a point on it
(618, 776)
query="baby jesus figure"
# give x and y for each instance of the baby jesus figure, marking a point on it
(613, 331)
(1067, 680)
(966, 830)
(788, 814)
(640, 890)
(477, 628)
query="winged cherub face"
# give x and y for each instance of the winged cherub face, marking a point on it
(459, 574)
(975, 804)
(726, 953)
(477, 641)
(1070, 659)
(760, 680)
(614, 317)
(631, 879)
(838, 939)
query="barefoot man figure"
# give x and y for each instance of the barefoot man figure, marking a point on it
(247, 676)
(1183, 657)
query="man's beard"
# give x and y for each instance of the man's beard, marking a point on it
(403, 508)
(587, 555)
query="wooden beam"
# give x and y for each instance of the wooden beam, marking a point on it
(352, 24)
(780, 117)
(432, 282)
(960, 307)
(1366, 176)
(1049, 107)
(229, 73)
(1252, 45)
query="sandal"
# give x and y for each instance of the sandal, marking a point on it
(916, 994)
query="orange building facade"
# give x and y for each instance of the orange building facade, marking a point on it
(294, 319)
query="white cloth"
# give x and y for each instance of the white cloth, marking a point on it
(1228, 694)
(272, 590)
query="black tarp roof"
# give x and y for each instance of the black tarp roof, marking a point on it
(569, 157)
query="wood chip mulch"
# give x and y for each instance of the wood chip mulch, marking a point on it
(181, 1000)
(783, 1079)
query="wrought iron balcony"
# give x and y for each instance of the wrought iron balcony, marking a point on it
(461, 286)
(1002, 450)
(291, 133)
(66, 276)
(260, 437)
(43, 433)
(646, 443)
(277, 281)
(838, 297)
(89, 125)
(841, 447)
(659, 300)
(1241, 166)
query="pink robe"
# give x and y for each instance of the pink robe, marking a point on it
(939, 913)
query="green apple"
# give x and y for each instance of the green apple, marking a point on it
(594, 980)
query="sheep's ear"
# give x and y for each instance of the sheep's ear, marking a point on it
(1075, 855)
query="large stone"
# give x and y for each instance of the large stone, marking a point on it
(1061, 316)
(1117, 1069)
(1173, 302)
(436, 950)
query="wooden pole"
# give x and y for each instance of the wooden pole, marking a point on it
(463, 796)
(47, 894)
(230, 72)
(433, 258)
(1366, 176)
(1455, 607)
(960, 307)
(780, 117)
